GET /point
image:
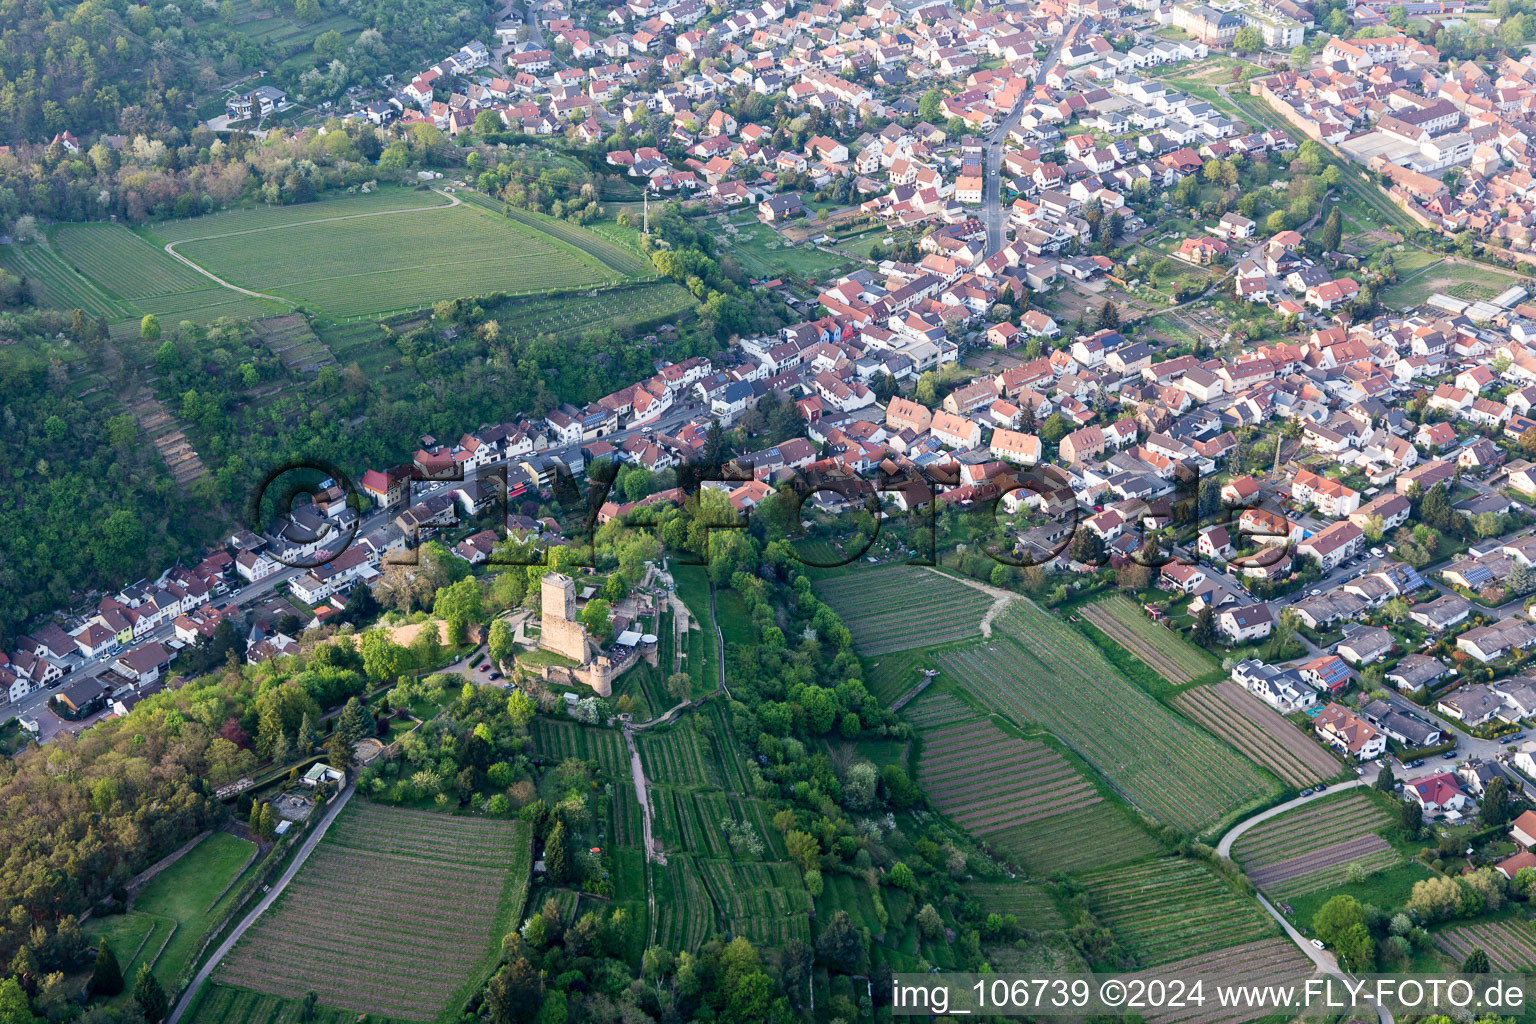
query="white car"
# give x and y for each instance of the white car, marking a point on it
(1319, 943)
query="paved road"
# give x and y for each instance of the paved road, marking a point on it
(1225, 846)
(992, 186)
(35, 704)
(315, 835)
(1325, 961)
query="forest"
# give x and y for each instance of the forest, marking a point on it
(117, 67)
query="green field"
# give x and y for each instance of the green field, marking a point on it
(1171, 908)
(902, 607)
(763, 252)
(223, 1004)
(175, 909)
(1038, 669)
(107, 270)
(398, 913)
(352, 264)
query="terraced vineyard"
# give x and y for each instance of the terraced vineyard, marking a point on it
(1310, 848)
(894, 674)
(1098, 836)
(934, 709)
(673, 757)
(1251, 726)
(1276, 960)
(1031, 903)
(1510, 944)
(768, 903)
(988, 781)
(1173, 658)
(618, 307)
(557, 739)
(396, 912)
(1171, 908)
(901, 607)
(1037, 669)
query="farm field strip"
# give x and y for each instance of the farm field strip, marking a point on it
(1291, 844)
(1173, 658)
(1317, 860)
(356, 921)
(1333, 877)
(1098, 836)
(266, 218)
(934, 710)
(1274, 958)
(224, 1004)
(395, 251)
(1032, 903)
(995, 781)
(1511, 944)
(1271, 741)
(120, 261)
(1167, 908)
(1036, 669)
(901, 607)
(1308, 828)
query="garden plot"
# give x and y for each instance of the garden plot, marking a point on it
(1037, 669)
(1510, 945)
(1170, 908)
(1311, 848)
(905, 606)
(398, 913)
(988, 781)
(557, 739)
(1251, 726)
(1170, 656)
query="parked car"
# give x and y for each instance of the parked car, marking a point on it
(1319, 943)
(1306, 792)
(495, 675)
(1449, 755)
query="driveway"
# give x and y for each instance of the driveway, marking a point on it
(315, 835)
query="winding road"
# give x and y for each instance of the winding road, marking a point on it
(269, 898)
(1325, 961)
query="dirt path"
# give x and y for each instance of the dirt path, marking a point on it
(269, 898)
(170, 247)
(1002, 598)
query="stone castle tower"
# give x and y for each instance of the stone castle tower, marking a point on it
(561, 632)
